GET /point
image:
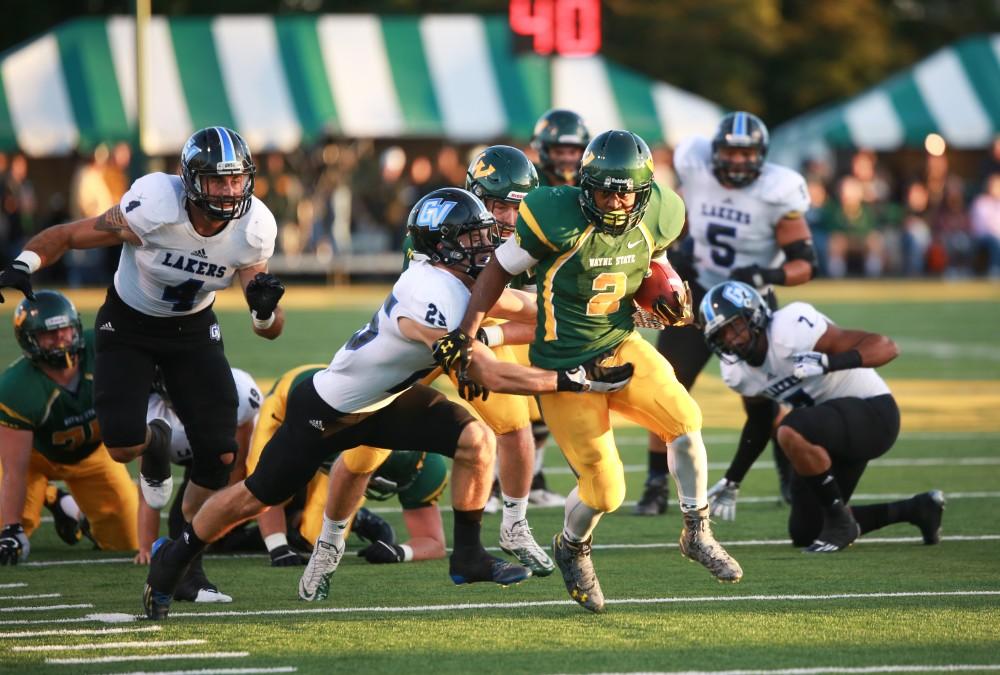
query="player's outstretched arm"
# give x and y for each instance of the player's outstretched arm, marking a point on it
(485, 292)
(263, 291)
(841, 349)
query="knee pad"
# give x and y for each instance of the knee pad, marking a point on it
(208, 470)
(602, 486)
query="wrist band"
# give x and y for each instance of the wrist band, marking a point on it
(262, 324)
(407, 552)
(30, 260)
(494, 335)
(844, 360)
(273, 541)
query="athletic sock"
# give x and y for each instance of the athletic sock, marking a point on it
(514, 510)
(825, 487)
(658, 464)
(333, 531)
(873, 516)
(580, 519)
(467, 532)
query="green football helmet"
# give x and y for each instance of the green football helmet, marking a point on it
(617, 161)
(50, 310)
(501, 172)
(558, 127)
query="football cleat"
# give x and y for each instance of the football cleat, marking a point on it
(195, 587)
(315, 581)
(928, 511)
(155, 601)
(578, 572)
(699, 544)
(545, 497)
(518, 542)
(155, 478)
(486, 568)
(654, 498)
(372, 528)
(67, 527)
(839, 531)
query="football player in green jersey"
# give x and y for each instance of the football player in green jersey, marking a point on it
(49, 431)
(591, 247)
(559, 139)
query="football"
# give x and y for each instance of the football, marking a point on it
(661, 279)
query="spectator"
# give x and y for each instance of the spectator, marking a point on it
(854, 232)
(18, 203)
(952, 230)
(817, 220)
(985, 222)
(916, 234)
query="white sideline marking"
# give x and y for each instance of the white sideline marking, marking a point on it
(36, 596)
(766, 464)
(81, 631)
(27, 622)
(639, 433)
(44, 608)
(213, 671)
(556, 603)
(17, 585)
(149, 644)
(151, 657)
(951, 668)
(786, 542)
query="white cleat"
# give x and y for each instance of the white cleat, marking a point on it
(315, 581)
(211, 595)
(518, 542)
(157, 493)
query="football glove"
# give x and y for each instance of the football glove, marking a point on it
(16, 275)
(14, 545)
(380, 553)
(263, 293)
(722, 499)
(810, 364)
(593, 377)
(470, 389)
(451, 349)
(682, 315)
(285, 556)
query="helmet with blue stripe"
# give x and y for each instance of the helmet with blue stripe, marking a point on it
(739, 131)
(453, 228)
(217, 151)
(736, 304)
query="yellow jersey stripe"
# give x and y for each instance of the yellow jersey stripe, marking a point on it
(10, 412)
(650, 242)
(548, 283)
(529, 219)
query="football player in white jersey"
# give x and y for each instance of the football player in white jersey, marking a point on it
(195, 586)
(842, 414)
(745, 219)
(368, 397)
(184, 237)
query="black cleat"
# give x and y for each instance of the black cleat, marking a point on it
(67, 527)
(928, 510)
(839, 531)
(654, 498)
(155, 601)
(578, 573)
(486, 568)
(372, 528)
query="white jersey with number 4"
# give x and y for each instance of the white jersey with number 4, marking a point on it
(734, 227)
(378, 362)
(177, 271)
(793, 329)
(180, 449)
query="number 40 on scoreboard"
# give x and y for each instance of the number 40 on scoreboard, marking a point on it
(563, 27)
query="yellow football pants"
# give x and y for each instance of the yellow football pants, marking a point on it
(101, 487)
(581, 423)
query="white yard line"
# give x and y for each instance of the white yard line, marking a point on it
(150, 657)
(17, 585)
(818, 670)
(44, 608)
(145, 644)
(767, 464)
(554, 603)
(213, 671)
(81, 631)
(36, 596)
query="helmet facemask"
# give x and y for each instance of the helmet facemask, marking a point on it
(30, 323)
(217, 151)
(734, 319)
(467, 251)
(739, 131)
(617, 221)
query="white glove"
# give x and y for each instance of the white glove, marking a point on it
(722, 499)
(810, 364)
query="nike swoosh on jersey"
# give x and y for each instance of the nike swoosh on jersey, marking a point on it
(633, 244)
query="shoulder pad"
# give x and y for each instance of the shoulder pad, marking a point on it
(261, 229)
(427, 285)
(691, 155)
(780, 186)
(153, 200)
(797, 326)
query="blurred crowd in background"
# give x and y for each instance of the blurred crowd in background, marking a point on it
(871, 216)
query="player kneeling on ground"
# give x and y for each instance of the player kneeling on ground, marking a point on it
(843, 414)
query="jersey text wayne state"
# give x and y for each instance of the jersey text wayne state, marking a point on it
(193, 265)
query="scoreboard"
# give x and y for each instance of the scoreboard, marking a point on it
(556, 27)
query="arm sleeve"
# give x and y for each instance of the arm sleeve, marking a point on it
(753, 439)
(513, 258)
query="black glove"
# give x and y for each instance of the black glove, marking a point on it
(470, 389)
(16, 275)
(593, 377)
(263, 293)
(14, 545)
(758, 276)
(455, 347)
(381, 553)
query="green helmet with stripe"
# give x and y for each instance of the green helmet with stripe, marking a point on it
(616, 161)
(503, 173)
(50, 310)
(558, 127)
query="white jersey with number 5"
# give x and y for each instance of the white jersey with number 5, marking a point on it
(180, 450)
(734, 227)
(793, 329)
(176, 271)
(379, 362)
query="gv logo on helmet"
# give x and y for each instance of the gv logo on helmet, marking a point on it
(737, 295)
(433, 212)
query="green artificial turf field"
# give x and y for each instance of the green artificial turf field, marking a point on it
(889, 604)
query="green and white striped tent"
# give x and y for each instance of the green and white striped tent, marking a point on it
(284, 80)
(955, 92)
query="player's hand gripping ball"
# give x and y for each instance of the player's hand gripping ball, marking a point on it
(666, 295)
